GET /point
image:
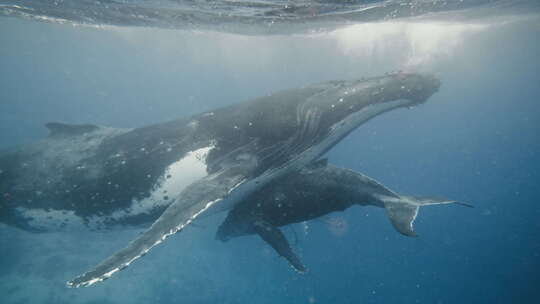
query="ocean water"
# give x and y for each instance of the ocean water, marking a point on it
(476, 140)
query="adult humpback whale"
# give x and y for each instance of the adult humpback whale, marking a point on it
(207, 162)
(311, 192)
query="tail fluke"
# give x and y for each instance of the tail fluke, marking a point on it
(402, 211)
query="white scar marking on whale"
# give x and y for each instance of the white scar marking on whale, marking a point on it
(174, 179)
(50, 219)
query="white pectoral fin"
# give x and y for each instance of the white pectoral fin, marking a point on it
(194, 200)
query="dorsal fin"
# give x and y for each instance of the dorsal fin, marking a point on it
(58, 128)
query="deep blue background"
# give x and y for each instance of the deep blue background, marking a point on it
(477, 141)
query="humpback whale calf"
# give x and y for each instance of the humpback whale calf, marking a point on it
(175, 171)
(311, 192)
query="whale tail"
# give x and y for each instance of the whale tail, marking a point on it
(403, 210)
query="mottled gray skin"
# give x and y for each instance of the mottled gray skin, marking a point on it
(313, 192)
(94, 172)
(303, 196)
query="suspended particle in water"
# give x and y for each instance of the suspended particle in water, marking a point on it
(305, 227)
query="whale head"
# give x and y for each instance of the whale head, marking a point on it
(306, 122)
(342, 100)
(341, 106)
(281, 126)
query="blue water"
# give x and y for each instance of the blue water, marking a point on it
(477, 140)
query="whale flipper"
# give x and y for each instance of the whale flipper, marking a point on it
(402, 211)
(194, 200)
(275, 238)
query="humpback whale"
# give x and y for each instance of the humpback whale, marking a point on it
(312, 192)
(175, 171)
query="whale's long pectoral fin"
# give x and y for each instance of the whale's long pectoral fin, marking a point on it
(194, 200)
(402, 211)
(273, 236)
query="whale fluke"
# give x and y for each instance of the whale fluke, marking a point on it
(402, 211)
